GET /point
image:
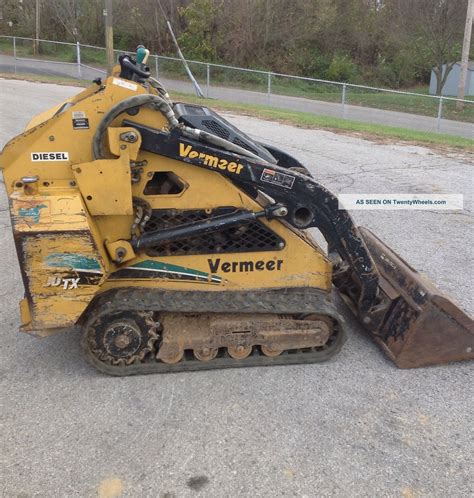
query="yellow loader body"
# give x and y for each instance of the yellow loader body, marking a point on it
(177, 247)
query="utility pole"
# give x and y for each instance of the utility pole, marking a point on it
(465, 54)
(109, 36)
(37, 28)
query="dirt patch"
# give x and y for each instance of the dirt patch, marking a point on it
(196, 483)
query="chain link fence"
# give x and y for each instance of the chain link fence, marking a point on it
(342, 100)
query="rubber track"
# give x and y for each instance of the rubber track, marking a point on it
(279, 301)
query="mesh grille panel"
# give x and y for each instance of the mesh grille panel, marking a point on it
(244, 145)
(246, 238)
(216, 128)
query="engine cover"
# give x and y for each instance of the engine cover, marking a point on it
(205, 119)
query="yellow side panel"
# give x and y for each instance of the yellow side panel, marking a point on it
(299, 264)
(58, 135)
(61, 265)
(204, 189)
(25, 313)
(63, 273)
(57, 211)
(106, 186)
(44, 116)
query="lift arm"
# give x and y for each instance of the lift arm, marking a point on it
(308, 203)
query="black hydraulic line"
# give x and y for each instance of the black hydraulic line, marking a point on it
(214, 140)
(195, 228)
(161, 104)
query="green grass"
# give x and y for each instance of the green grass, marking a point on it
(300, 119)
(93, 57)
(409, 103)
(47, 51)
(54, 52)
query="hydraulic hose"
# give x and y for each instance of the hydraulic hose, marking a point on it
(157, 102)
(160, 104)
(160, 89)
(204, 136)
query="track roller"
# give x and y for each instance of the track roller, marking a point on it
(205, 354)
(239, 352)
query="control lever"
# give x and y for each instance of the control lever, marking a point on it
(130, 70)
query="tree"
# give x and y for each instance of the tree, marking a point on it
(199, 40)
(20, 16)
(379, 42)
(68, 13)
(435, 28)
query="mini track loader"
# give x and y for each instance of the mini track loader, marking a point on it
(176, 242)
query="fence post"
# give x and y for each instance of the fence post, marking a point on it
(440, 114)
(269, 87)
(14, 51)
(78, 59)
(344, 86)
(208, 79)
(156, 67)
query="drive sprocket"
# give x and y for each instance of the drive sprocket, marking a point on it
(123, 337)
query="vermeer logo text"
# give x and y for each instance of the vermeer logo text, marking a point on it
(208, 160)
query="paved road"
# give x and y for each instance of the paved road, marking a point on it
(355, 113)
(355, 427)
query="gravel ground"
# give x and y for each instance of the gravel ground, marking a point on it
(356, 426)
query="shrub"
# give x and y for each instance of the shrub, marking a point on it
(341, 69)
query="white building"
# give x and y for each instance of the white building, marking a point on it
(450, 88)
